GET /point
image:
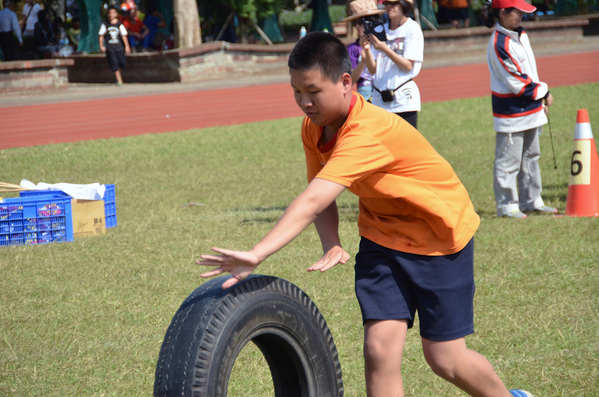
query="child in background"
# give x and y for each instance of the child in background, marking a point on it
(361, 10)
(416, 222)
(520, 105)
(113, 41)
(74, 33)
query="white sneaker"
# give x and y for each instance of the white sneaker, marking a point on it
(516, 214)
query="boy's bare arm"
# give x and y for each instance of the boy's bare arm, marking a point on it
(327, 225)
(126, 42)
(316, 199)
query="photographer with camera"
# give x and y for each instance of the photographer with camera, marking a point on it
(394, 54)
(362, 12)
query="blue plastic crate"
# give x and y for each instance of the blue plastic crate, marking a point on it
(35, 220)
(110, 207)
(109, 202)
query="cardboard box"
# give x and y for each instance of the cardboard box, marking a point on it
(88, 217)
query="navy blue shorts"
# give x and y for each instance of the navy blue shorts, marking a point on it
(393, 285)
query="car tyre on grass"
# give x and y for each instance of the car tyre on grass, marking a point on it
(213, 325)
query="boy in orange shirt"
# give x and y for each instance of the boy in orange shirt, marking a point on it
(416, 222)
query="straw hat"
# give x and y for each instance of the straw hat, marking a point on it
(363, 8)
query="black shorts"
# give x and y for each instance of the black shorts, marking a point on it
(410, 117)
(460, 14)
(116, 59)
(394, 285)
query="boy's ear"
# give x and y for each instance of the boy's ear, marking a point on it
(347, 82)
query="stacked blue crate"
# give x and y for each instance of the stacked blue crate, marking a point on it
(110, 207)
(109, 202)
(41, 219)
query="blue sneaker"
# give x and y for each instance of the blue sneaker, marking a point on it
(520, 393)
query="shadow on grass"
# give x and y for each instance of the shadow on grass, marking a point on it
(347, 213)
(556, 192)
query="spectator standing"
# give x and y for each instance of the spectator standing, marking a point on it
(520, 103)
(361, 10)
(31, 10)
(460, 13)
(444, 13)
(396, 61)
(9, 25)
(113, 41)
(45, 36)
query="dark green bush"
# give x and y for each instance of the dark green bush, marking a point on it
(291, 20)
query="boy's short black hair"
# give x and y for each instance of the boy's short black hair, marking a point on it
(321, 50)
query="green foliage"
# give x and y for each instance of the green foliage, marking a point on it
(291, 20)
(254, 9)
(87, 318)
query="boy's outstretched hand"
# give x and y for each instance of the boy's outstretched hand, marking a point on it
(332, 257)
(239, 263)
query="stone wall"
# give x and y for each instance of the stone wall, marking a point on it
(16, 76)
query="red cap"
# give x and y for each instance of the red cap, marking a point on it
(519, 4)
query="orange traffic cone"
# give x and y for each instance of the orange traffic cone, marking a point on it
(583, 187)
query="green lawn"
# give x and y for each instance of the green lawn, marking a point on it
(87, 318)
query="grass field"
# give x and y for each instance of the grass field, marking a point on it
(87, 318)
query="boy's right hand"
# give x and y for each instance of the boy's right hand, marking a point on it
(240, 264)
(103, 49)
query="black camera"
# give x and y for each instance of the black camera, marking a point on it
(377, 28)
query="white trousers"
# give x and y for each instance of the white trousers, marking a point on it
(516, 171)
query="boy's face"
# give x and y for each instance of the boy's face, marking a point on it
(112, 14)
(325, 102)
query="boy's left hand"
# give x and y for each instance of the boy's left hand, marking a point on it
(330, 258)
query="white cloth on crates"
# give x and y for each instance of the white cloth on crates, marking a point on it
(92, 191)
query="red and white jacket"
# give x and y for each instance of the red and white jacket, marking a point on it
(517, 92)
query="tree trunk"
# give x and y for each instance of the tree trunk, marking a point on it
(187, 20)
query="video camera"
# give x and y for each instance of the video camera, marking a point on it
(375, 27)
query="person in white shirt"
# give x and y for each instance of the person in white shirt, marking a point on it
(520, 106)
(9, 24)
(30, 11)
(396, 61)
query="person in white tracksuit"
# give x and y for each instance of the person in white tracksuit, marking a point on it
(520, 102)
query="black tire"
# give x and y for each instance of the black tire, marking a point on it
(213, 325)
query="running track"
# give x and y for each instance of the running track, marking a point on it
(87, 120)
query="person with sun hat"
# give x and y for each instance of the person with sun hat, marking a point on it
(361, 11)
(520, 106)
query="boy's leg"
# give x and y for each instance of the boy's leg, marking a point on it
(383, 349)
(508, 160)
(119, 78)
(467, 369)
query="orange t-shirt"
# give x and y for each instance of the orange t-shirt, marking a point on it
(411, 200)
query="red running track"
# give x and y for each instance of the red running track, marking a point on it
(87, 120)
